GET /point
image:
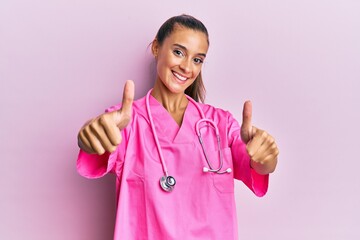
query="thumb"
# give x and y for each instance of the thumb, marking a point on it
(246, 126)
(128, 98)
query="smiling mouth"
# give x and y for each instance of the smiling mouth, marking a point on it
(178, 76)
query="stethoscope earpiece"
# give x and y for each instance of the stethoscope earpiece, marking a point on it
(167, 183)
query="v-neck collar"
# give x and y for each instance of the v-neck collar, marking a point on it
(167, 129)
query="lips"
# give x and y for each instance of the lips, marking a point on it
(180, 77)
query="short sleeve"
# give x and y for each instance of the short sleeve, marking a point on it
(241, 161)
(96, 166)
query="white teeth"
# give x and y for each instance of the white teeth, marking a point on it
(179, 76)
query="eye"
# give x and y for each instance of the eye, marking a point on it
(178, 53)
(198, 60)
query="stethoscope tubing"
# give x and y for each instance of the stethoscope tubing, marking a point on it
(155, 134)
(168, 182)
(198, 132)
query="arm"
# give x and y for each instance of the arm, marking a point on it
(100, 137)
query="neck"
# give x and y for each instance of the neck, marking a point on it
(172, 102)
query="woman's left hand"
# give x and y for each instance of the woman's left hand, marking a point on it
(260, 145)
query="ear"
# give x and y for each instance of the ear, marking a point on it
(155, 47)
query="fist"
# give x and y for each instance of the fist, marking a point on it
(102, 133)
(260, 145)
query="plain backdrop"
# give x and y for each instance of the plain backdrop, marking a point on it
(63, 62)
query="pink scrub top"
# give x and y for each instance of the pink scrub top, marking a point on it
(202, 205)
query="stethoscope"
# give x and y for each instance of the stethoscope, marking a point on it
(168, 182)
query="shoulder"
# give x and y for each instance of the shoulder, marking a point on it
(212, 111)
(220, 116)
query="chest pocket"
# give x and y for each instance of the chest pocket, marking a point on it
(224, 183)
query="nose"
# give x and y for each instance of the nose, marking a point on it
(185, 65)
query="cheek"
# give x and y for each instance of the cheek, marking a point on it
(160, 66)
(197, 71)
(164, 63)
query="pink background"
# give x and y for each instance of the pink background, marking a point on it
(63, 62)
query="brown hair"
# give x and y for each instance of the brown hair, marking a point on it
(197, 89)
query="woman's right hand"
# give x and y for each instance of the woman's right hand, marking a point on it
(103, 132)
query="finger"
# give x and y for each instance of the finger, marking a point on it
(94, 142)
(85, 143)
(273, 150)
(267, 148)
(246, 126)
(111, 130)
(261, 153)
(256, 142)
(99, 132)
(128, 97)
(270, 158)
(254, 130)
(247, 113)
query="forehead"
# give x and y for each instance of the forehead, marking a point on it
(193, 40)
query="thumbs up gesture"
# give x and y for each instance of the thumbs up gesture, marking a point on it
(102, 133)
(260, 145)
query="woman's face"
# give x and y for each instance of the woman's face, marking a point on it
(180, 58)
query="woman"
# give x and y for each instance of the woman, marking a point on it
(157, 137)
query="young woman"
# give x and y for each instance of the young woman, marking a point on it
(176, 158)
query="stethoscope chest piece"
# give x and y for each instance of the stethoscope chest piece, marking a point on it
(167, 183)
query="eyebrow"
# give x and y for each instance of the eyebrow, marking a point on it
(184, 48)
